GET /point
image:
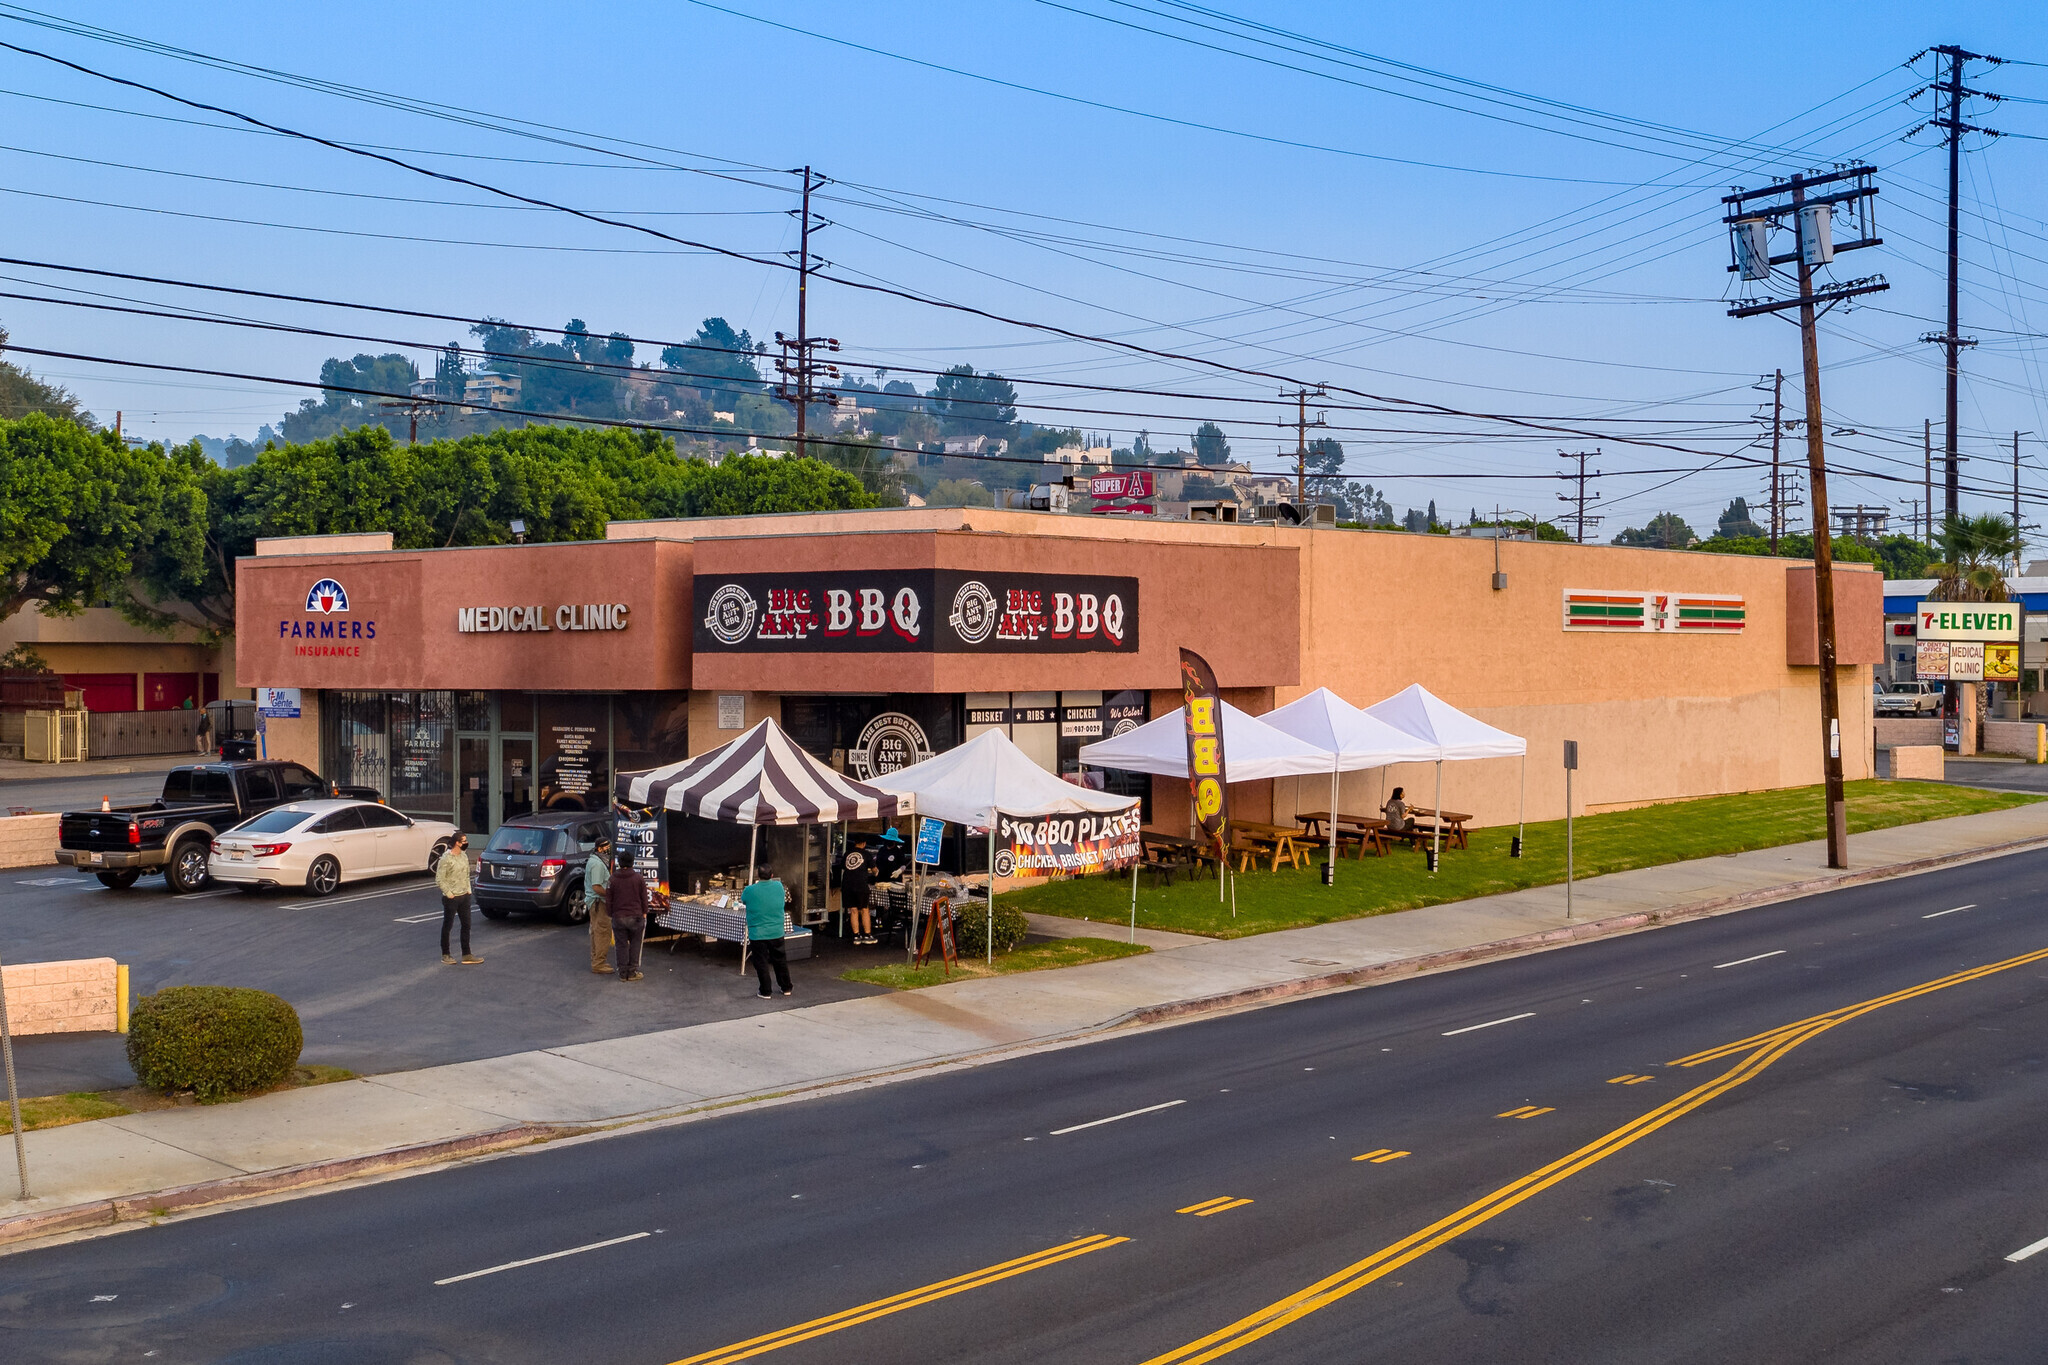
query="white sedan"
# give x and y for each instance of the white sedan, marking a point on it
(321, 844)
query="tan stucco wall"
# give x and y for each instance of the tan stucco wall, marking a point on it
(704, 732)
(297, 741)
(100, 640)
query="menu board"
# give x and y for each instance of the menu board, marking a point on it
(642, 843)
(572, 746)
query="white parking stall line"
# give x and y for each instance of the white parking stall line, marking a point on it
(1957, 911)
(54, 881)
(551, 1256)
(428, 917)
(1743, 961)
(351, 900)
(1474, 1028)
(2027, 1251)
(1113, 1118)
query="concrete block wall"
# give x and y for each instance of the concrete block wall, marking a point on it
(2020, 737)
(28, 840)
(62, 997)
(1891, 731)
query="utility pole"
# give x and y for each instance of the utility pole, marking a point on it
(1750, 217)
(1301, 426)
(2017, 549)
(1949, 95)
(1777, 432)
(795, 365)
(1581, 498)
(1927, 475)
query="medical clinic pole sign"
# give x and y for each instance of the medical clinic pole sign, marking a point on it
(1967, 641)
(1202, 706)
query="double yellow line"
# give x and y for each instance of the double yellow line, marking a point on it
(1764, 1048)
(896, 1303)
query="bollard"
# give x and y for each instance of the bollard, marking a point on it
(1429, 856)
(1515, 847)
(121, 997)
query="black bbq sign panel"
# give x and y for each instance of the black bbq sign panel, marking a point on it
(915, 611)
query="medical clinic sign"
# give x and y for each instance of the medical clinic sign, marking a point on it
(942, 611)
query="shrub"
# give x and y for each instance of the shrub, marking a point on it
(970, 932)
(216, 1041)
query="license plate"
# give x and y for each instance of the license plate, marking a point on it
(238, 855)
(505, 874)
(95, 858)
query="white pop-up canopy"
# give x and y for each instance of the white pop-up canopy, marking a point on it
(1350, 737)
(1450, 734)
(988, 774)
(970, 784)
(1252, 750)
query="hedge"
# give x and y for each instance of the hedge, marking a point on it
(215, 1041)
(971, 930)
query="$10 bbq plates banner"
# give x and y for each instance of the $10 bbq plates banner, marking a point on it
(1071, 844)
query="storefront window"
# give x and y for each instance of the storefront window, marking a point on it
(356, 744)
(473, 711)
(575, 752)
(870, 737)
(650, 729)
(515, 713)
(422, 752)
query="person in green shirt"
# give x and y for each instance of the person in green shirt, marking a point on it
(597, 876)
(766, 902)
(451, 875)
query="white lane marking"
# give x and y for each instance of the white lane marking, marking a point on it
(1958, 910)
(1489, 1024)
(1097, 1123)
(54, 881)
(1742, 960)
(551, 1256)
(351, 900)
(2027, 1251)
(431, 915)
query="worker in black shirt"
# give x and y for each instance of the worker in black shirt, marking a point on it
(856, 871)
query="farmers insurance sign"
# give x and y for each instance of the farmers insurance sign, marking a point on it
(1967, 620)
(944, 611)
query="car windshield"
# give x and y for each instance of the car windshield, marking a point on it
(274, 821)
(518, 839)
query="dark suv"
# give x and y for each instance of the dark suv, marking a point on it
(535, 862)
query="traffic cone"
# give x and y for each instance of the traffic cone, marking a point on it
(106, 803)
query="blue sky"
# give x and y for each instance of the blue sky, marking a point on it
(1552, 275)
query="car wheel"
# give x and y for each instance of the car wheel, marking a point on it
(434, 856)
(324, 875)
(186, 872)
(573, 909)
(117, 881)
(494, 911)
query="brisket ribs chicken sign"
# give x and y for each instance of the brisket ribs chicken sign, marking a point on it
(905, 611)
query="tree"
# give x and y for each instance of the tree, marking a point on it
(1141, 448)
(959, 493)
(352, 392)
(77, 507)
(1210, 447)
(1666, 531)
(1974, 552)
(1735, 521)
(720, 359)
(969, 405)
(1326, 482)
(21, 393)
(1904, 557)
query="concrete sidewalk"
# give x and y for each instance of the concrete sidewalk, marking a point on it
(112, 1169)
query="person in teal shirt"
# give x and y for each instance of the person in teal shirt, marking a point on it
(597, 879)
(766, 901)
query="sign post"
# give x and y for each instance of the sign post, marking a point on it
(1571, 764)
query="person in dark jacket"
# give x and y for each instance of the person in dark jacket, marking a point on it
(628, 897)
(766, 902)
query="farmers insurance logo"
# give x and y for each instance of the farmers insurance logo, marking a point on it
(327, 597)
(974, 612)
(731, 617)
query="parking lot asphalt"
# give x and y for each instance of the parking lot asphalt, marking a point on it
(363, 968)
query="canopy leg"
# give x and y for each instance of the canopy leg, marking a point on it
(1134, 901)
(1330, 877)
(1437, 839)
(990, 942)
(1522, 806)
(753, 845)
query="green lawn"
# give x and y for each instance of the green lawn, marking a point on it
(1031, 957)
(1614, 842)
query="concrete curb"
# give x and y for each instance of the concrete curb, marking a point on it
(1559, 937)
(127, 1208)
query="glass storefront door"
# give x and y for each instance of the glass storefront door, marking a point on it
(515, 777)
(473, 785)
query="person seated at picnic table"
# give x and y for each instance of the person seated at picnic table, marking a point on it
(1396, 812)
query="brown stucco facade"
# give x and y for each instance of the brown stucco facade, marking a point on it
(1659, 715)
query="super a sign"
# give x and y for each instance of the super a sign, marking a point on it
(945, 611)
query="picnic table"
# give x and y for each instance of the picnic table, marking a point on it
(1353, 831)
(1449, 824)
(1268, 841)
(1166, 854)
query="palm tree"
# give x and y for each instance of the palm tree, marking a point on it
(1974, 551)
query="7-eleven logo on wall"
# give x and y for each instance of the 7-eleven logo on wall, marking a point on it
(1663, 612)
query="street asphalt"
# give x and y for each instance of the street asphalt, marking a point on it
(1550, 1186)
(363, 968)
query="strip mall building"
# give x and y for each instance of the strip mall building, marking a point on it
(475, 684)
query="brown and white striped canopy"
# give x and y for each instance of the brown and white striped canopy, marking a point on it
(760, 778)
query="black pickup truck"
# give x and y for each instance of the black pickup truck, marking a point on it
(174, 833)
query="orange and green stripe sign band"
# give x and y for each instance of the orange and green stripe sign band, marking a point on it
(1711, 613)
(1611, 610)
